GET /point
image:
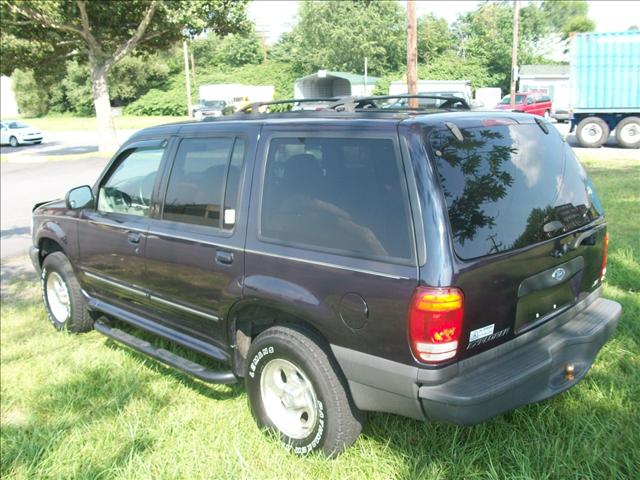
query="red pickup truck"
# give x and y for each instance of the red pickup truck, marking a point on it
(534, 102)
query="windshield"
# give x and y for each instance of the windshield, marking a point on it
(507, 99)
(504, 184)
(214, 104)
(18, 125)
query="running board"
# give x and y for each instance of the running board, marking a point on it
(176, 361)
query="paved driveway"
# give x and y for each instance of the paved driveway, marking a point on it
(24, 184)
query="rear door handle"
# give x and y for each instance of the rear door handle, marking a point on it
(133, 238)
(225, 258)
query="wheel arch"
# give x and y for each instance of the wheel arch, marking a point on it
(48, 245)
(248, 318)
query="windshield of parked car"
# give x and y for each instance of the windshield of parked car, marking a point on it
(507, 99)
(18, 125)
(504, 183)
(214, 104)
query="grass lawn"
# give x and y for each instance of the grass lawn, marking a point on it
(124, 122)
(84, 407)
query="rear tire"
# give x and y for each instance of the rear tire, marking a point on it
(592, 132)
(628, 132)
(296, 391)
(13, 141)
(62, 296)
(547, 115)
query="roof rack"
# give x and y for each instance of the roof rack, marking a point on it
(254, 107)
(355, 103)
(450, 101)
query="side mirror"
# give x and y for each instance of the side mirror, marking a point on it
(79, 197)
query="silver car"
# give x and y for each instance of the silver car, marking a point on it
(17, 133)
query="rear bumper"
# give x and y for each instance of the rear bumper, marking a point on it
(528, 369)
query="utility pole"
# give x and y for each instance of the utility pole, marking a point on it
(412, 53)
(193, 68)
(514, 52)
(186, 76)
(366, 75)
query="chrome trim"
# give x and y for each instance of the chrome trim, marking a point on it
(119, 227)
(192, 239)
(330, 265)
(186, 309)
(115, 284)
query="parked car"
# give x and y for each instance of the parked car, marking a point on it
(17, 133)
(442, 266)
(536, 103)
(209, 108)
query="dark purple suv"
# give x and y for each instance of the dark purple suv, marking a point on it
(437, 265)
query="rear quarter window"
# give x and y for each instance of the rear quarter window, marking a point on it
(503, 183)
(343, 195)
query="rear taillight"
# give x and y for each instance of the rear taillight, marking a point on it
(603, 270)
(435, 323)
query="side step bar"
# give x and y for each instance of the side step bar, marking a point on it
(176, 361)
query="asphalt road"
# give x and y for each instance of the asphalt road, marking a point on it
(29, 178)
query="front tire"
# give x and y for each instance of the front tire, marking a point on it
(547, 115)
(592, 132)
(628, 132)
(13, 141)
(296, 391)
(62, 296)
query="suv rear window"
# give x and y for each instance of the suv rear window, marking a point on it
(339, 195)
(504, 183)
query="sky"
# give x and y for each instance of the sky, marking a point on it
(274, 17)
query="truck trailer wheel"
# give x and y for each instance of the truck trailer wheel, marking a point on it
(628, 132)
(592, 132)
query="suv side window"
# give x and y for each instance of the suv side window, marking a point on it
(339, 195)
(206, 172)
(129, 186)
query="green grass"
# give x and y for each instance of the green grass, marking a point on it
(66, 122)
(84, 407)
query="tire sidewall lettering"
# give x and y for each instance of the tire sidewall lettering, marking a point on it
(253, 366)
(315, 441)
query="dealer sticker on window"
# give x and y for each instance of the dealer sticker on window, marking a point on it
(481, 333)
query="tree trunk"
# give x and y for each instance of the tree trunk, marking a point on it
(107, 141)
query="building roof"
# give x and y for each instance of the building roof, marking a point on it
(560, 70)
(353, 78)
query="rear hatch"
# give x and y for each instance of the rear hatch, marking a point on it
(526, 227)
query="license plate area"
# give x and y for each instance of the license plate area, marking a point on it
(546, 294)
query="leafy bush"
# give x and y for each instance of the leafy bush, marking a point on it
(32, 100)
(77, 89)
(158, 102)
(238, 50)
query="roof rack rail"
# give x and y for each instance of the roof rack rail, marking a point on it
(254, 107)
(452, 100)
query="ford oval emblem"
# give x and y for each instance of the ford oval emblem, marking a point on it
(559, 273)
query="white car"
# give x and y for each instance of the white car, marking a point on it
(17, 133)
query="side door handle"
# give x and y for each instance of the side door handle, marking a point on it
(134, 238)
(225, 258)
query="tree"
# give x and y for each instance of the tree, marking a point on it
(485, 35)
(39, 35)
(435, 38)
(239, 49)
(338, 35)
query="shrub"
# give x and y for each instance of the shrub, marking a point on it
(32, 100)
(158, 102)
